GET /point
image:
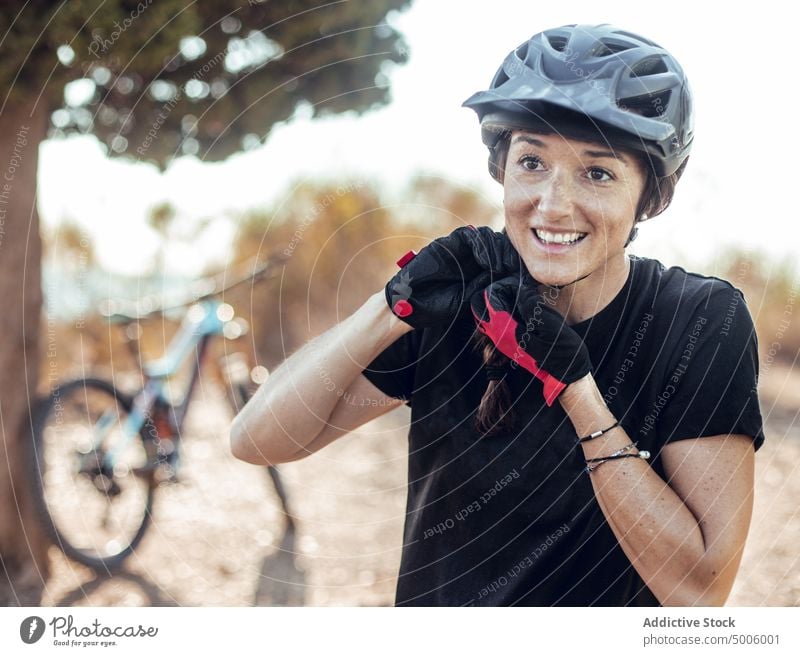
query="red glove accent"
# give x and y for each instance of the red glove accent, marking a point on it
(406, 258)
(501, 329)
(403, 308)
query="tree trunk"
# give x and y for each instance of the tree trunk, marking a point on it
(23, 547)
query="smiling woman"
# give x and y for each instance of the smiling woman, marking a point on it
(583, 421)
(570, 209)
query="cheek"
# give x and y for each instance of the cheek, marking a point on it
(624, 213)
(613, 214)
(516, 202)
(517, 218)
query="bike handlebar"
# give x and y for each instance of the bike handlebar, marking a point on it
(117, 312)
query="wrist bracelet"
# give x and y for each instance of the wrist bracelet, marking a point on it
(625, 448)
(594, 463)
(581, 440)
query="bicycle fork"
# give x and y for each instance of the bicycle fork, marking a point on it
(147, 410)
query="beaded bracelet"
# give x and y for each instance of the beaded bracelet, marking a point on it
(581, 440)
(625, 448)
(594, 463)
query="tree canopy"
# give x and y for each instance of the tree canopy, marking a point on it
(155, 79)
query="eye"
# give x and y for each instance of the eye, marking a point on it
(597, 174)
(530, 162)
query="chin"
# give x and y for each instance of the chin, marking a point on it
(546, 275)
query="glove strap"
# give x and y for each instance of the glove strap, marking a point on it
(401, 307)
(502, 329)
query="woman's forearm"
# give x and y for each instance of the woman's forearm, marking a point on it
(655, 528)
(291, 408)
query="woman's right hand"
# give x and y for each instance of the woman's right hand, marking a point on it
(435, 285)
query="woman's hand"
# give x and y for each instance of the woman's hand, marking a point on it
(435, 285)
(529, 332)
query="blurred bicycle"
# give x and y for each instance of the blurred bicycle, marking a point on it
(100, 455)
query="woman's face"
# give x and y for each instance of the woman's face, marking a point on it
(569, 205)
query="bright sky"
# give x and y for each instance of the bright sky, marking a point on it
(737, 57)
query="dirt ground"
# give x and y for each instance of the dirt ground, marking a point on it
(216, 539)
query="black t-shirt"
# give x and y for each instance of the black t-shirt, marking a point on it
(513, 519)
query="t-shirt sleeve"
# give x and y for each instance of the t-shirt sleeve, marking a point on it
(712, 380)
(394, 369)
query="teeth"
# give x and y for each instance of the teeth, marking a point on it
(559, 237)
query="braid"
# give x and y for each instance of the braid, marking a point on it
(495, 412)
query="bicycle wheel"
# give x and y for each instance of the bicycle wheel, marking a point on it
(96, 513)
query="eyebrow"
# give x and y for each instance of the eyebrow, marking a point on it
(530, 140)
(590, 153)
(606, 153)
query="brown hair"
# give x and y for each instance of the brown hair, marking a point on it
(495, 412)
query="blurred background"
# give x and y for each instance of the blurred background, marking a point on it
(148, 145)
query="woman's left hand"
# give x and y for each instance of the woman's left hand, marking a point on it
(529, 332)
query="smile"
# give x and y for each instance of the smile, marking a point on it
(558, 238)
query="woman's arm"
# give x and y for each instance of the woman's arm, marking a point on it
(685, 538)
(303, 405)
(296, 406)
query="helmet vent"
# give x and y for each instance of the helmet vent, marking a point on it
(649, 105)
(499, 79)
(607, 47)
(522, 51)
(557, 42)
(648, 66)
(636, 38)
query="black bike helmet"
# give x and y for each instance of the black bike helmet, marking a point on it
(593, 82)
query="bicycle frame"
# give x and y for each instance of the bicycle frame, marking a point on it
(202, 321)
(119, 458)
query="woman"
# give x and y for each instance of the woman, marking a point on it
(596, 448)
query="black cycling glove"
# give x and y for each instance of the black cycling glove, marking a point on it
(529, 332)
(435, 285)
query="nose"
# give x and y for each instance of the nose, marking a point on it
(555, 198)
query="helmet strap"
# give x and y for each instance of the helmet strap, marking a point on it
(567, 284)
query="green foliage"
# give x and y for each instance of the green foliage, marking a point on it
(163, 78)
